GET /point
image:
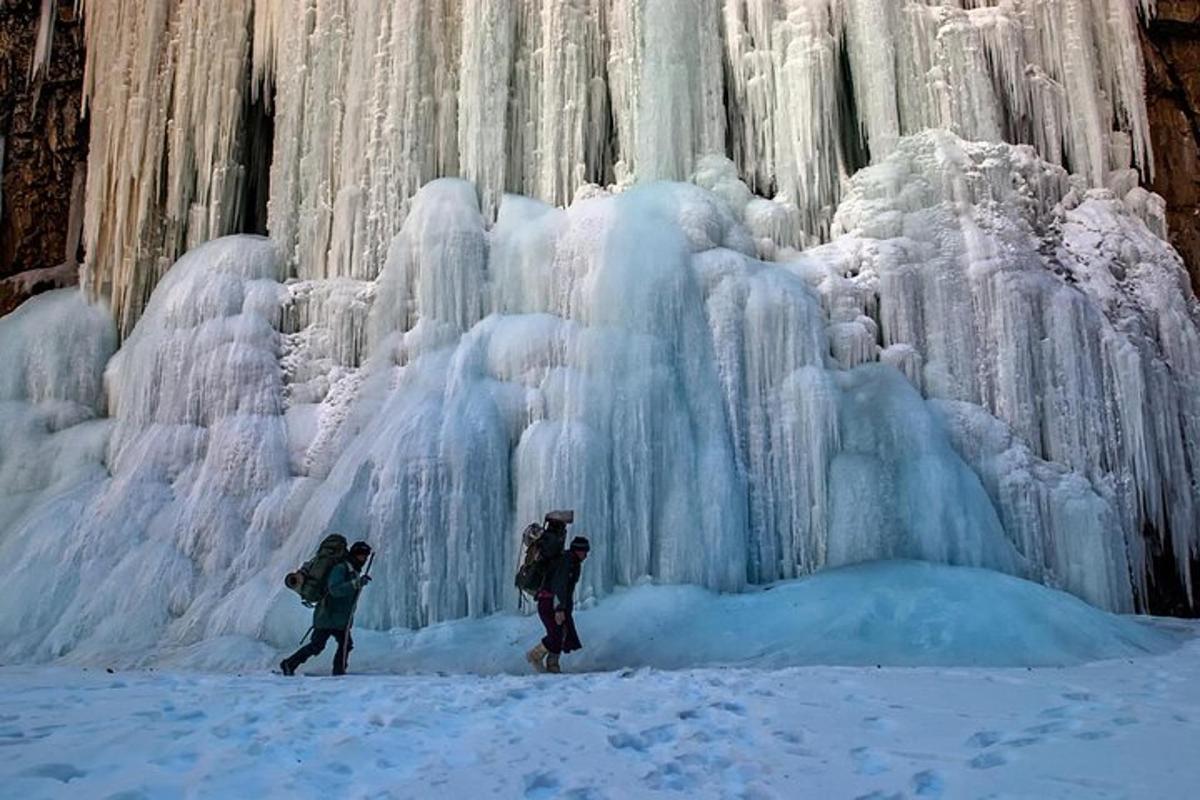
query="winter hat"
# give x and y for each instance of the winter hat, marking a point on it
(360, 549)
(581, 543)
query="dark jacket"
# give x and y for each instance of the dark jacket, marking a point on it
(561, 578)
(334, 610)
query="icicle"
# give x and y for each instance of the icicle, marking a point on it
(373, 100)
(164, 84)
(39, 64)
(1064, 364)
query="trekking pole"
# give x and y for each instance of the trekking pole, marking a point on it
(353, 608)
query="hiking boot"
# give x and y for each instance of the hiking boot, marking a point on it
(535, 657)
(286, 667)
(552, 664)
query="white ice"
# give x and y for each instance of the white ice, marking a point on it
(547, 98)
(714, 419)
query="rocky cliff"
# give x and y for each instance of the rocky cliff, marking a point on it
(1172, 47)
(43, 147)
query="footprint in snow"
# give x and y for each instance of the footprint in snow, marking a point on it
(1050, 727)
(660, 734)
(878, 724)
(987, 760)
(928, 783)
(1023, 741)
(670, 777)
(540, 785)
(584, 793)
(1058, 712)
(64, 773)
(868, 761)
(181, 762)
(1091, 736)
(791, 737)
(624, 740)
(984, 738)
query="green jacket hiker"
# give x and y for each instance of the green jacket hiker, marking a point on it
(334, 613)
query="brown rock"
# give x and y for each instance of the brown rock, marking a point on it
(1171, 44)
(45, 142)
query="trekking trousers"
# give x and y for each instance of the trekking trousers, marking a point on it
(559, 638)
(320, 636)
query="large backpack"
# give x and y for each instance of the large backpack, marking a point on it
(541, 546)
(311, 580)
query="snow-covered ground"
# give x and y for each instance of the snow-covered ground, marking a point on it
(1118, 728)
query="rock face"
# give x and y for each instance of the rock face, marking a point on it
(43, 150)
(1172, 48)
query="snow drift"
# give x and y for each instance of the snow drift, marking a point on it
(883, 613)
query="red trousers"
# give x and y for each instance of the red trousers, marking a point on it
(558, 638)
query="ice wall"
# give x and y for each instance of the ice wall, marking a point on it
(994, 279)
(372, 100)
(714, 419)
(852, 335)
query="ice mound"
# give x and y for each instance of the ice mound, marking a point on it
(891, 613)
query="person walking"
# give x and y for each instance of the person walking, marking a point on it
(555, 605)
(333, 614)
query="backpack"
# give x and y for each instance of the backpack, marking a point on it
(310, 581)
(541, 546)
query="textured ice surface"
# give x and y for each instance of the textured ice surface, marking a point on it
(897, 613)
(999, 281)
(372, 100)
(714, 419)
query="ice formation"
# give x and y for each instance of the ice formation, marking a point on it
(371, 101)
(968, 352)
(714, 419)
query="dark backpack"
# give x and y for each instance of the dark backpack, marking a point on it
(311, 580)
(541, 546)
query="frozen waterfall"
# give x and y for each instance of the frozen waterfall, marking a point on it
(755, 287)
(545, 98)
(714, 419)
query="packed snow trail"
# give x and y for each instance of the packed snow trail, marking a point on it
(1116, 729)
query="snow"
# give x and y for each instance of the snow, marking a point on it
(1118, 728)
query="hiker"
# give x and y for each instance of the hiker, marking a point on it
(333, 614)
(555, 603)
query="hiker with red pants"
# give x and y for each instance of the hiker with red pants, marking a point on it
(555, 602)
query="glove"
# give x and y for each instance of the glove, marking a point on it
(362, 580)
(560, 617)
